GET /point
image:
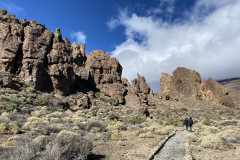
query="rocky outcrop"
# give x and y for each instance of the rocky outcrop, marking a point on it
(49, 63)
(102, 68)
(214, 92)
(188, 83)
(11, 40)
(138, 94)
(37, 44)
(60, 64)
(105, 74)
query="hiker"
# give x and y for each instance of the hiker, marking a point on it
(190, 123)
(186, 123)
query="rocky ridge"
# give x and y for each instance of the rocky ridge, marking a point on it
(49, 63)
(188, 83)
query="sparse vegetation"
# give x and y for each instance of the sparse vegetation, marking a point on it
(135, 119)
(41, 100)
(9, 103)
(97, 124)
(113, 116)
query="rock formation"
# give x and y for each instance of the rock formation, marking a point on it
(188, 83)
(49, 63)
(138, 94)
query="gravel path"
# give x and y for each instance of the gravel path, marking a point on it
(174, 149)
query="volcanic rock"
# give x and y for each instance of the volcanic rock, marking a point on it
(188, 83)
(138, 94)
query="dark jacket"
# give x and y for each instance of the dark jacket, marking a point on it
(190, 122)
(185, 122)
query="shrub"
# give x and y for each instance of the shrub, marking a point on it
(41, 100)
(116, 136)
(136, 119)
(96, 123)
(113, 116)
(170, 120)
(216, 142)
(233, 138)
(164, 130)
(146, 135)
(24, 149)
(206, 121)
(9, 103)
(192, 138)
(106, 99)
(11, 128)
(68, 147)
(184, 109)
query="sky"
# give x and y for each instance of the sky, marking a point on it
(148, 37)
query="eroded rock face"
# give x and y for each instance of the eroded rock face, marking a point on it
(49, 63)
(102, 68)
(60, 64)
(213, 91)
(37, 44)
(138, 94)
(188, 83)
(11, 40)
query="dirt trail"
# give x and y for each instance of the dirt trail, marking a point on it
(174, 149)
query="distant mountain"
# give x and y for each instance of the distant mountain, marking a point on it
(233, 87)
(227, 80)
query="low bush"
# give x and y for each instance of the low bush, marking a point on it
(99, 124)
(106, 99)
(170, 120)
(184, 109)
(9, 103)
(113, 116)
(24, 149)
(61, 147)
(68, 147)
(207, 122)
(41, 100)
(146, 135)
(136, 119)
(216, 142)
(116, 136)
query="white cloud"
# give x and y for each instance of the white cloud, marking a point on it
(80, 37)
(210, 46)
(11, 7)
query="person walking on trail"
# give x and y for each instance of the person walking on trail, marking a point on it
(186, 123)
(190, 123)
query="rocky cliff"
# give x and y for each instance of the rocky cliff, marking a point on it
(188, 83)
(49, 63)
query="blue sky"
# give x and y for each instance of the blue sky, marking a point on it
(147, 36)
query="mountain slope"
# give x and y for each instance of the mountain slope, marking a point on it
(233, 87)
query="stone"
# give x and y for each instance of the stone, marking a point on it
(60, 64)
(102, 68)
(189, 84)
(83, 102)
(37, 43)
(11, 40)
(214, 92)
(138, 93)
